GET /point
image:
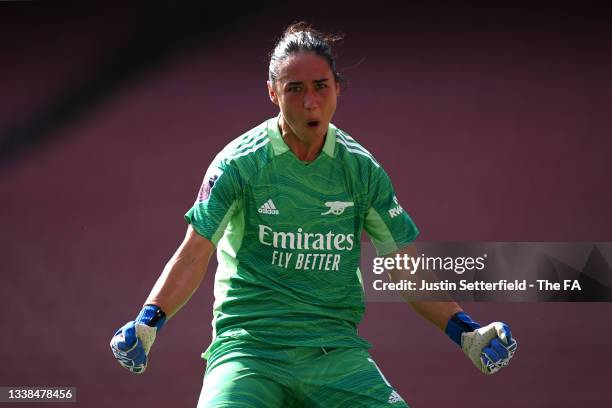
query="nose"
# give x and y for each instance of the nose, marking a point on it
(310, 100)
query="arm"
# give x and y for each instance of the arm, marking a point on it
(183, 274)
(437, 313)
(179, 280)
(490, 348)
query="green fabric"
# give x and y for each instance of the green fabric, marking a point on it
(247, 374)
(288, 237)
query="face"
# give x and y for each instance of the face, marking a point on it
(306, 92)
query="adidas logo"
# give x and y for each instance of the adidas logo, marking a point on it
(268, 208)
(394, 397)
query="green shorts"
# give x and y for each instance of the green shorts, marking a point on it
(252, 374)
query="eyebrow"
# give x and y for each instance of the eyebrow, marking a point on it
(316, 81)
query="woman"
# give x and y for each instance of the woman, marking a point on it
(285, 205)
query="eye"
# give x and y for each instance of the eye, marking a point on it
(294, 88)
(321, 86)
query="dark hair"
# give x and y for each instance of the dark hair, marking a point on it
(301, 37)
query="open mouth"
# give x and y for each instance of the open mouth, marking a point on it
(313, 123)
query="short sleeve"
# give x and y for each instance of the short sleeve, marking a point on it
(387, 225)
(216, 202)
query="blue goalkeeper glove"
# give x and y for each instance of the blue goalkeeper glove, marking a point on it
(131, 343)
(490, 348)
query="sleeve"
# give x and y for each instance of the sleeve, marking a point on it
(387, 225)
(217, 201)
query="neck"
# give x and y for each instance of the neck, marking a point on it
(305, 150)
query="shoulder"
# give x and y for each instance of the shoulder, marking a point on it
(245, 144)
(247, 151)
(361, 166)
(352, 152)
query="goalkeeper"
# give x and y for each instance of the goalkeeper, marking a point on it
(284, 206)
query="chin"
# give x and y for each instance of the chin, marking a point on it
(318, 131)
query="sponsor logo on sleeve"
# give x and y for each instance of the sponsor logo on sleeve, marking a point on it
(397, 210)
(394, 397)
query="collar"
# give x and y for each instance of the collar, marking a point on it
(279, 146)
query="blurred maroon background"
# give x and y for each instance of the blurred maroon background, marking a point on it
(494, 124)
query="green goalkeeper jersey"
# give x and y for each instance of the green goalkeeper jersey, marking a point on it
(288, 237)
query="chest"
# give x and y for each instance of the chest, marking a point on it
(320, 197)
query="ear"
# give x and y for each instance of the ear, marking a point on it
(272, 93)
(337, 88)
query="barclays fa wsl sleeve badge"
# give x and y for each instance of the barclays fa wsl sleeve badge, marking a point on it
(211, 177)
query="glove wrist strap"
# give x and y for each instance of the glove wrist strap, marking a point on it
(152, 316)
(458, 324)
